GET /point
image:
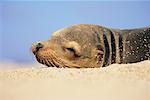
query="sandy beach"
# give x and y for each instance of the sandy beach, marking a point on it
(115, 82)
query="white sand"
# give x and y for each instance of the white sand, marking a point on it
(116, 82)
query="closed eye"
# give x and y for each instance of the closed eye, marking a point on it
(71, 49)
(72, 52)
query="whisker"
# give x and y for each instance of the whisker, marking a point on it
(50, 63)
(41, 61)
(47, 63)
(51, 60)
(56, 63)
(38, 59)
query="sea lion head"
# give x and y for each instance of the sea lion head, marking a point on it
(76, 46)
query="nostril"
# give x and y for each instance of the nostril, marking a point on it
(39, 45)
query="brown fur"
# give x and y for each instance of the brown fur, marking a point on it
(86, 46)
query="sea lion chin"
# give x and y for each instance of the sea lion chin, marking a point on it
(89, 46)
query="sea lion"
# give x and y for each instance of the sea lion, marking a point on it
(89, 46)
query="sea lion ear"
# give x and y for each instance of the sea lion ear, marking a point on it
(100, 47)
(74, 47)
(99, 53)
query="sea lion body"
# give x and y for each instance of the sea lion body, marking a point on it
(136, 45)
(85, 45)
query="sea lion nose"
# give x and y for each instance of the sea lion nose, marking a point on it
(36, 47)
(39, 46)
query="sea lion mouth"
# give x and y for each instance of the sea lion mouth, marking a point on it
(49, 58)
(47, 62)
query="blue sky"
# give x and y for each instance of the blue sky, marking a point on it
(22, 23)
